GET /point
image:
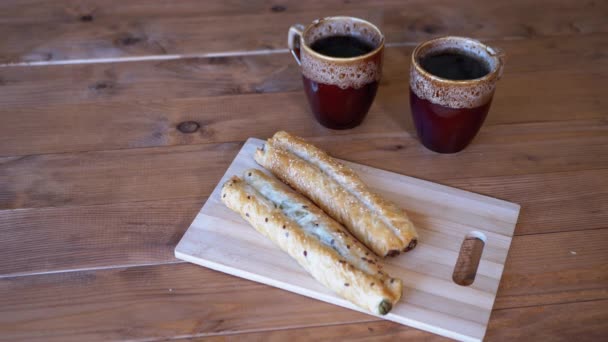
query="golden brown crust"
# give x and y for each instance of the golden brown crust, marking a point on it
(306, 178)
(378, 223)
(260, 200)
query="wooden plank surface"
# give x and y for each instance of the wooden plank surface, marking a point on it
(68, 29)
(565, 328)
(555, 268)
(82, 237)
(565, 201)
(363, 331)
(503, 163)
(577, 259)
(69, 306)
(94, 192)
(506, 325)
(185, 299)
(570, 56)
(128, 105)
(563, 322)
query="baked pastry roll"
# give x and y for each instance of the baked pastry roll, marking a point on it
(317, 242)
(335, 188)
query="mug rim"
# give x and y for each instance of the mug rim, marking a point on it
(495, 54)
(312, 52)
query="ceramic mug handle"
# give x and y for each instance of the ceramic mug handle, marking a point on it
(294, 41)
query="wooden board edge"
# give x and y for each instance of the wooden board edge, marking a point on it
(319, 296)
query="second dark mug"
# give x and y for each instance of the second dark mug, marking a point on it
(452, 82)
(341, 61)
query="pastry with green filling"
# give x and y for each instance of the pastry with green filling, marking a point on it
(322, 246)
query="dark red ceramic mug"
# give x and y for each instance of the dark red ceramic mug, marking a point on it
(452, 82)
(341, 62)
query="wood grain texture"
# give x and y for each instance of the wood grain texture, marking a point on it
(544, 323)
(152, 302)
(512, 162)
(136, 175)
(59, 239)
(546, 58)
(563, 322)
(467, 263)
(543, 197)
(163, 301)
(220, 239)
(555, 268)
(69, 238)
(109, 260)
(363, 331)
(127, 105)
(68, 29)
(75, 238)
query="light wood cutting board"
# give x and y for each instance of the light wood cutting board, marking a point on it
(219, 239)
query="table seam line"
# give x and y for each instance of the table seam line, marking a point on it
(254, 52)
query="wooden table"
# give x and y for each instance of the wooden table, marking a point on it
(97, 183)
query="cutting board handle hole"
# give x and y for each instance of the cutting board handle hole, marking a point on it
(468, 259)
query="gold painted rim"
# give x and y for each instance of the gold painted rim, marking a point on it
(491, 52)
(310, 51)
